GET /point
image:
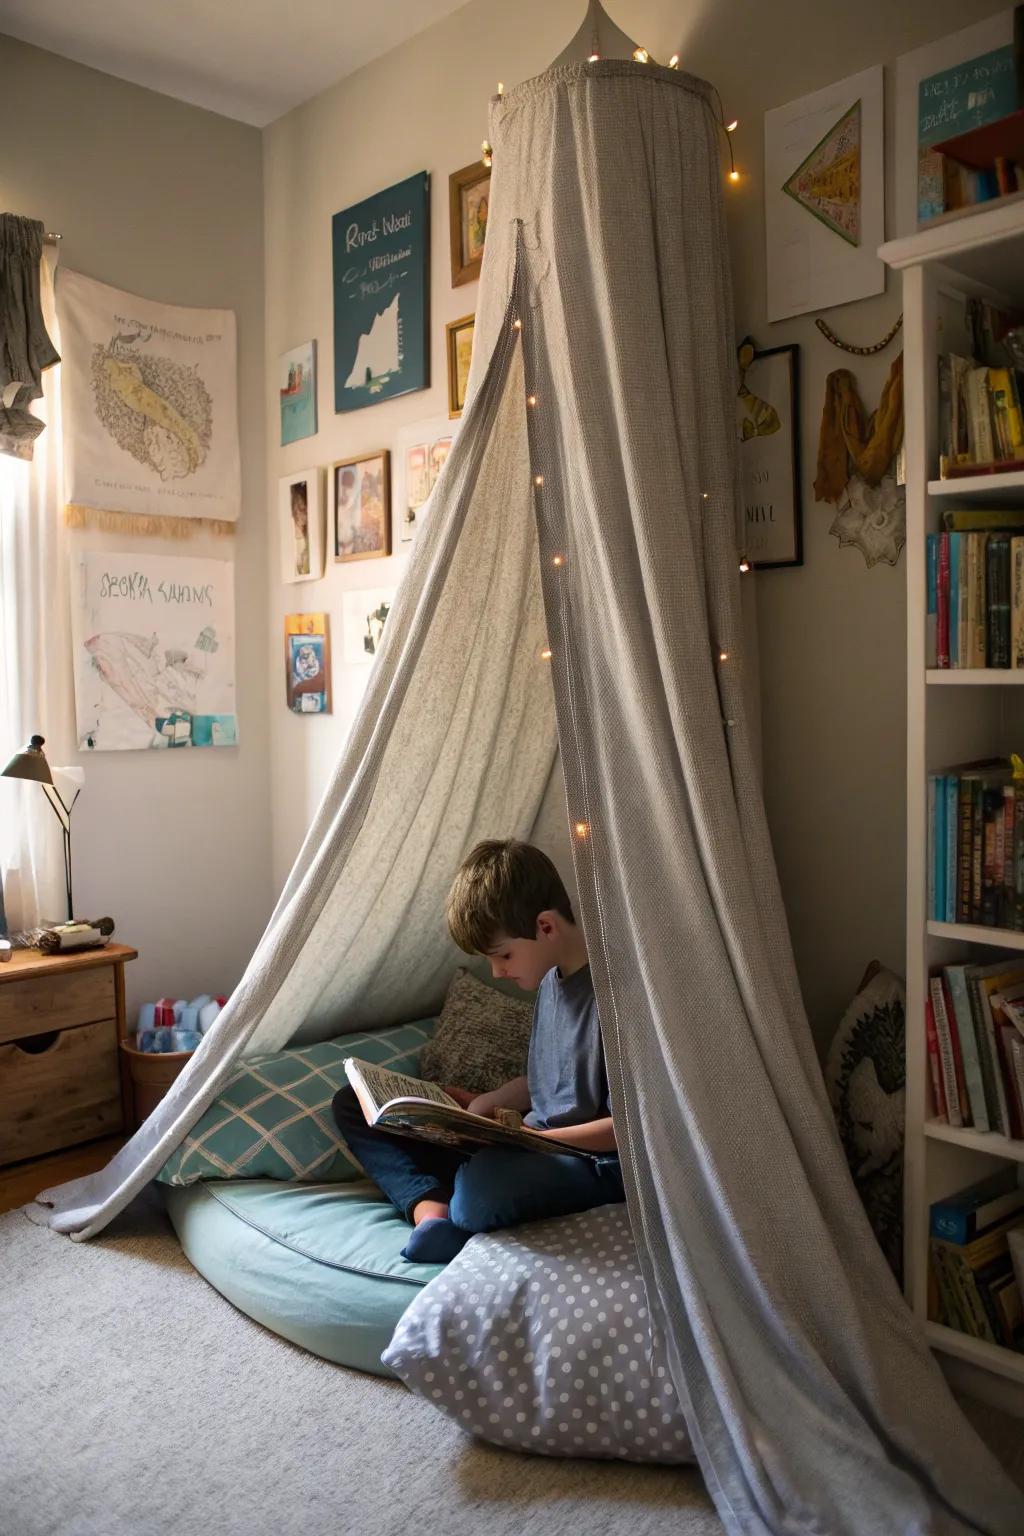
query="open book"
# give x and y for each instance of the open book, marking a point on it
(407, 1106)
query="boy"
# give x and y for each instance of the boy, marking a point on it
(508, 903)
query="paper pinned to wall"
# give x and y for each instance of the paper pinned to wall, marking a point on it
(154, 651)
(824, 197)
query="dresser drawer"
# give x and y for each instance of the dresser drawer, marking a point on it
(70, 1091)
(41, 1003)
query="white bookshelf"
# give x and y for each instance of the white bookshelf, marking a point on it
(952, 716)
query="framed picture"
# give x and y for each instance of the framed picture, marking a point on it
(460, 353)
(361, 494)
(420, 453)
(469, 194)
(381, 250)
(307, 660)
(767, 420)
(363, 616)
(300, 506)
(297, 393)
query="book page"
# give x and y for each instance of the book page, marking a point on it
(380, 1085)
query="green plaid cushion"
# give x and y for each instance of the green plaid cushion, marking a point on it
(273, 1118)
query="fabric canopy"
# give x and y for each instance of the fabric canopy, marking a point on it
(598, 522)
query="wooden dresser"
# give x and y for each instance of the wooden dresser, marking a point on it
(62, 1077)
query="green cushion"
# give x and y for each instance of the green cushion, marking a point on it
(273, 1118)
(319, 1264)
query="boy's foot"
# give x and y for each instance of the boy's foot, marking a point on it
(429, 1210)
(435, 1241)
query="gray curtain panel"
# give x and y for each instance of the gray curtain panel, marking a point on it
(25, 347)
(810, 1395)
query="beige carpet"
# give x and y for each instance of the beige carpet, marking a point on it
(135, 1401)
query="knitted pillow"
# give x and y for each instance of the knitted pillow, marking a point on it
(482, 1037)
(272, 1119)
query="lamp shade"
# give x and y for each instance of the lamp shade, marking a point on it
(30, 763)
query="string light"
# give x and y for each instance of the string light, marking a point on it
(673, 62)
(734, 174)
(723, 655)
(731, 127)
(517, 324)
(744, 566)
(705, 495)
(641, 56)
(558, 560)
(545, 654)
(538, 479)
(501, 88)
(531, 399)
(487, 155)
(583, 830)
(592, 58)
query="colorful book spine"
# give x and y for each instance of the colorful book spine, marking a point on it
(988, 1045)
(997, 573)
(992, 869)
(934, 1066)
(964, 1215)
(1007, 914)
(938, 905)
(947, 1060)
(956, 982)
(952, 837)
(942, 602)
(955, 586)
(931, 629)
(930, 834)
(1017, 602)
(1005, 1035)
(976, 623)
(963, 901)
(977, 849)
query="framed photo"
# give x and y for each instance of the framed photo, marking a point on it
(767, 420)
(421, 451)
(307, 660)
(300, 506)
(381, 251)
(363, 616)
(460, 353)
(469, 195)
(297, 393)
(361, 496)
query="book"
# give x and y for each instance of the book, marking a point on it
(1017, 602)
(407, 1106)
(1007, 914)
(979, 417)
(976, 621)
(956, 981)
(982, 982)
(934, 1067)
(931, 825)
(991, 865)
(957, 601)
(938, 905)
(947, 1058)
(932, 610)
(997, 582)
(968, 1273)
(952, 835)
(965, 1215)
(982, 520)
(942, 603)
(1006, 1034)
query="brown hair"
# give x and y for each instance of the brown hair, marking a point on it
(501, 889)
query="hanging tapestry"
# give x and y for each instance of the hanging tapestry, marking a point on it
(154, 649)
(150, 404)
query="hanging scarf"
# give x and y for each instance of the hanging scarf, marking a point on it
(846, 436)
(25, 348)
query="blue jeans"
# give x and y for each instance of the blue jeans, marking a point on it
(496, 1187)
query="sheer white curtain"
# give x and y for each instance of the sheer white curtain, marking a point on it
(36, 686)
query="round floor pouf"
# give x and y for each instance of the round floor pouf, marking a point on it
(539, 1337)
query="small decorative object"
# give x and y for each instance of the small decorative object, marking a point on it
(361, 492)
(381, 313)
(872, 518)
(849, 443)
(297, 393)
(468, 198)
(154, 651)
(848, 346)
(824, 197)
(64, 937)
(30, 763)
(422, 451)
(768, 427)
(307, 653)
(460, 353)
(301, 516)
(364, 615)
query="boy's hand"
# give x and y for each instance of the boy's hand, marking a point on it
(462, 1097)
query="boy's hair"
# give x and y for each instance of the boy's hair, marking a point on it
(501, 889)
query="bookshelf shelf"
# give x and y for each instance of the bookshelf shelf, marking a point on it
(1005, 490)
(976, 1141)
(975, 933)
(1006, 1362)
(966, 677)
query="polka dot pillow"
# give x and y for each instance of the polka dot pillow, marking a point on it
(539, 1337)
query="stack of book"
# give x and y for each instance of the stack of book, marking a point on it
(975, 592)
(974, 1022)
(973, 1287)
(981, 427)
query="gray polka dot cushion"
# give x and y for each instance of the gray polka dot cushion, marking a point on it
(539, 1337)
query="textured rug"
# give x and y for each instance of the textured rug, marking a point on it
(135, 1401)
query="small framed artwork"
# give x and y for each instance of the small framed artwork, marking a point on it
(767, 420)
(469, 194)
(301, 517)
(421, 452)
(363, 616)
(361, 493)
(297, 393)
(307, 659)
(460, 353)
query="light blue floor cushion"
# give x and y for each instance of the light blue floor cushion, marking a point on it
(319, 1264)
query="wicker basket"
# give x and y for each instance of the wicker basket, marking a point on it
(151, 1073)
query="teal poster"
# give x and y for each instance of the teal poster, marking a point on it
(381, 295)
(969, 95)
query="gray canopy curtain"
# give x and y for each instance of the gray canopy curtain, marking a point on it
(579, 565)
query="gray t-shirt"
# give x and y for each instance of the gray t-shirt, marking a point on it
(566, 1071)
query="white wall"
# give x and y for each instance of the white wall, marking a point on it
(164, 200)
(831, 634)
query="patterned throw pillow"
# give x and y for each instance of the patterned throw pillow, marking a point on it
(482, 1037)
(273, 1117)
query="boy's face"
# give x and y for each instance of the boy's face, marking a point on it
(524, 961)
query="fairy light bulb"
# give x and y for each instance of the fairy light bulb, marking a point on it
(545, 654)
(531, 399)
(723, 655)
(673, 62)
(501, 88)
(641, 56)
(592, 58)
(731, 127)
(538, 479)
(517, 324)
(582, 830)
(744, 566)
(705, 495)
(558, 560)
(734, 175)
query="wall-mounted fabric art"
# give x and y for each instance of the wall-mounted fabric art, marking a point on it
(381, 296)
(300, 506)
(363, 616)
(824, 197)
(767, 422)
(154, 651)
(307, 663)
(422, 450)
(150, 405)
(361, 497)
(296, 389)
